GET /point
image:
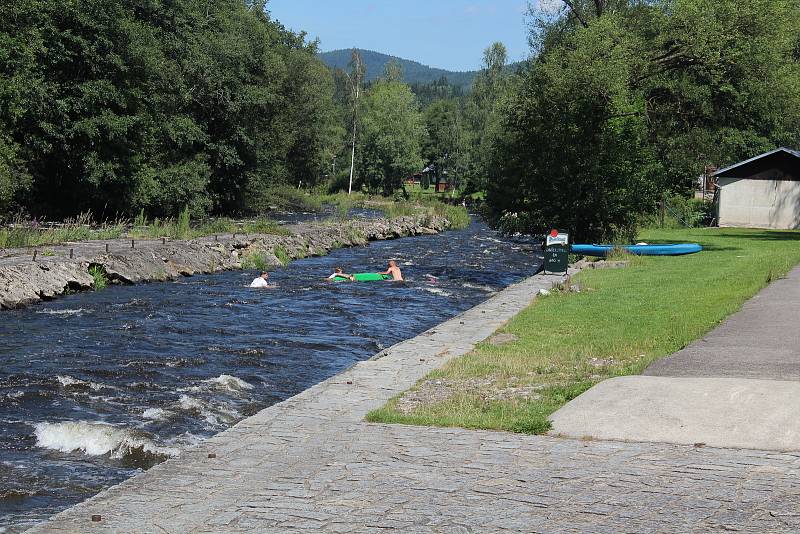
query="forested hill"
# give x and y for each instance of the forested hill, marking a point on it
(413, 72)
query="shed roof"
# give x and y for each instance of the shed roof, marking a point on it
(777, 151)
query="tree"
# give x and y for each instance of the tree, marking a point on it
(491, 85)
(392, 129)
(116, 106)
(357, 72)
(625, 100)
(445, 143)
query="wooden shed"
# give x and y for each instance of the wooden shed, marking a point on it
(761, 192)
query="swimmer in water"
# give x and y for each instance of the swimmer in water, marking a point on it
(394, 270)
(262, 282)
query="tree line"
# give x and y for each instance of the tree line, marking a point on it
(398, 130)
(120, 107)
(156, 106)
(623, 101)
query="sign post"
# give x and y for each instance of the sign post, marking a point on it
(556, 253)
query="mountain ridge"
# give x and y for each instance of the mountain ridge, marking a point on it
(413, 71)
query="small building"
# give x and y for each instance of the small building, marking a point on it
(761, 192)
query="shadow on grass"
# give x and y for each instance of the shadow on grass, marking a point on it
(771, 235)
(706, 246)
(716, 248)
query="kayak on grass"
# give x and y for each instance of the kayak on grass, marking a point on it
(675, 249)
(364, 277)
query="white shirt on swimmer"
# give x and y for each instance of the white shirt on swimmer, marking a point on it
(259, 282)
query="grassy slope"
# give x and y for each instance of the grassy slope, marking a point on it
(620, 322)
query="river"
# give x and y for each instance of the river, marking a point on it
(97, 386)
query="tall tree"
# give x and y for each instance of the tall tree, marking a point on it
(392, 130)
(445, 145)
(357, 72)
(491, 85)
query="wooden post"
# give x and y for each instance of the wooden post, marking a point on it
(163, 240)
(106, 248)
(34, 254)
(71, 253)
(133, 244)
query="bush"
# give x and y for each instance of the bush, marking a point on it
(687, 212)
(254, 261)
(281, 197)
(99, 275)
(282, 255)
(263, 225)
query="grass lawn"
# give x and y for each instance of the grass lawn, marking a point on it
(619, 322)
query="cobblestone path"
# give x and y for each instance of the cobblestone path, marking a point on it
(311, 464)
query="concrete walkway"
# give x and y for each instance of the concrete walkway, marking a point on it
(762, 340)
(739, 386)
(310, 464)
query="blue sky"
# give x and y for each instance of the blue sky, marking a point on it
(449, 34)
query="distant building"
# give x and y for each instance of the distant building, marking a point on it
(761, 192)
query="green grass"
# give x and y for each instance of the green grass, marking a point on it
(457, 215)
(254, 261)
(100, 278)
(181, 228)
(620, 322)
(263, 225)
(22, 233)
(282, 255)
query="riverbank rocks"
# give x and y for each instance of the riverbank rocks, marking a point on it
(24, 281)
(30, 282)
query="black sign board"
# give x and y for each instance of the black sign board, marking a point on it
(556, 259)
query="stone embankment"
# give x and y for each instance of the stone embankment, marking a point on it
(55, 270)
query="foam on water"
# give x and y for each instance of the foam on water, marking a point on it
(97, 439)
(156, 414)
(67, 381)
(214, 415)
(437, 291)
(479, 287)
(230, 383)
(75, 311)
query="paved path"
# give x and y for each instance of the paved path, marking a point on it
(739, 386)
(760, 341)
(310, 464)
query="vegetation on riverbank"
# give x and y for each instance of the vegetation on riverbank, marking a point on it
(25, 233)
(619, 322)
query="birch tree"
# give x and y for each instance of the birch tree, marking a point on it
(357, 72)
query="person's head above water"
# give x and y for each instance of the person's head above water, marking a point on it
(392, 263)
(338, 270)
(264, 275)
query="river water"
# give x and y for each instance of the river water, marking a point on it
(97, 386)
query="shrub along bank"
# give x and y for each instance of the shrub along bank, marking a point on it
(618, 323)
(26, 233)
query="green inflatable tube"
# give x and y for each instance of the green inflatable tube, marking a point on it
(364, 277)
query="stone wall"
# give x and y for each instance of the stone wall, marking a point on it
(25, 280)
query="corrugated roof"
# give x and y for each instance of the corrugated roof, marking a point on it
(789, 151)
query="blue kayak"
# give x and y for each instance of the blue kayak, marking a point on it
(677, 249)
